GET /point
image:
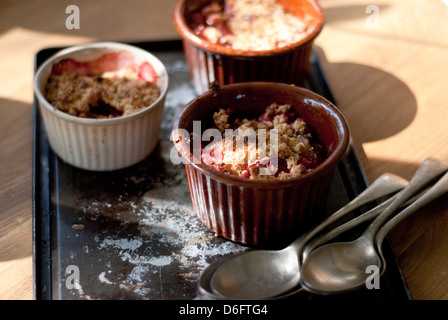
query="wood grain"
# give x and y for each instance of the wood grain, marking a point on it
(389, 82)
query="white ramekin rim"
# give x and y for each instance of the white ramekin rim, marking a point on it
(162, 83)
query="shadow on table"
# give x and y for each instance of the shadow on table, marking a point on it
(372, 116)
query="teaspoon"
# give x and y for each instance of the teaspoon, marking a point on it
(341, 266)
(262, 274)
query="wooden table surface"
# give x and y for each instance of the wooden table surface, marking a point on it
(387, 69)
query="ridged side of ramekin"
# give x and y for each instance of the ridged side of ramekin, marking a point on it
(271, 217)
(102, 144)
(104, 147)
(206, 67)
(258, 212)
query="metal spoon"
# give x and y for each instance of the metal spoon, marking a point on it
(341, 267)
(205, 286)
(437, 190)
(206, 276)
(262, 274)
(205, 279)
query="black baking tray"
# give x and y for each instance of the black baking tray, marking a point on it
(132, 233)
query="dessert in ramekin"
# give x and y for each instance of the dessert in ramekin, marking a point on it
(255, 210)
(232, 41)
(102, 104)
(278, 144)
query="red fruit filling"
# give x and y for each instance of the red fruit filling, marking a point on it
(249, 149)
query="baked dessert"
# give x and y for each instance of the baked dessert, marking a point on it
(250, 25)
(276, 145)
(110, 86)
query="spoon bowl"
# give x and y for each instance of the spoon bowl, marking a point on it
(205, 282)
(342, 266)
(258, 274)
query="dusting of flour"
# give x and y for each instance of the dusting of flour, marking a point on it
(172, 245)
(157, 247)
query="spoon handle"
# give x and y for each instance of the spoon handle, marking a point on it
(440, 188)
(384, 185)
(428, 171)
(366, 216)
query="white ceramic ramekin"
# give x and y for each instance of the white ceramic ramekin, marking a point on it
(102, 144)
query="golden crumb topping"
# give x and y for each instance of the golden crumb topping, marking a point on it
(250, 24)
(276, 145)
(104, 95)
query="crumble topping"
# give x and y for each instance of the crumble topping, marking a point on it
(297, 151)
(81, 90)
(250, 24)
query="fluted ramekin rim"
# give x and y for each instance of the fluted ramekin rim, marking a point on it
(187, 34)
(162, 72)
(325, 167)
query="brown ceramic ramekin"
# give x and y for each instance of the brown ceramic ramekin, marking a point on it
(210, 62)
(253, 212)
